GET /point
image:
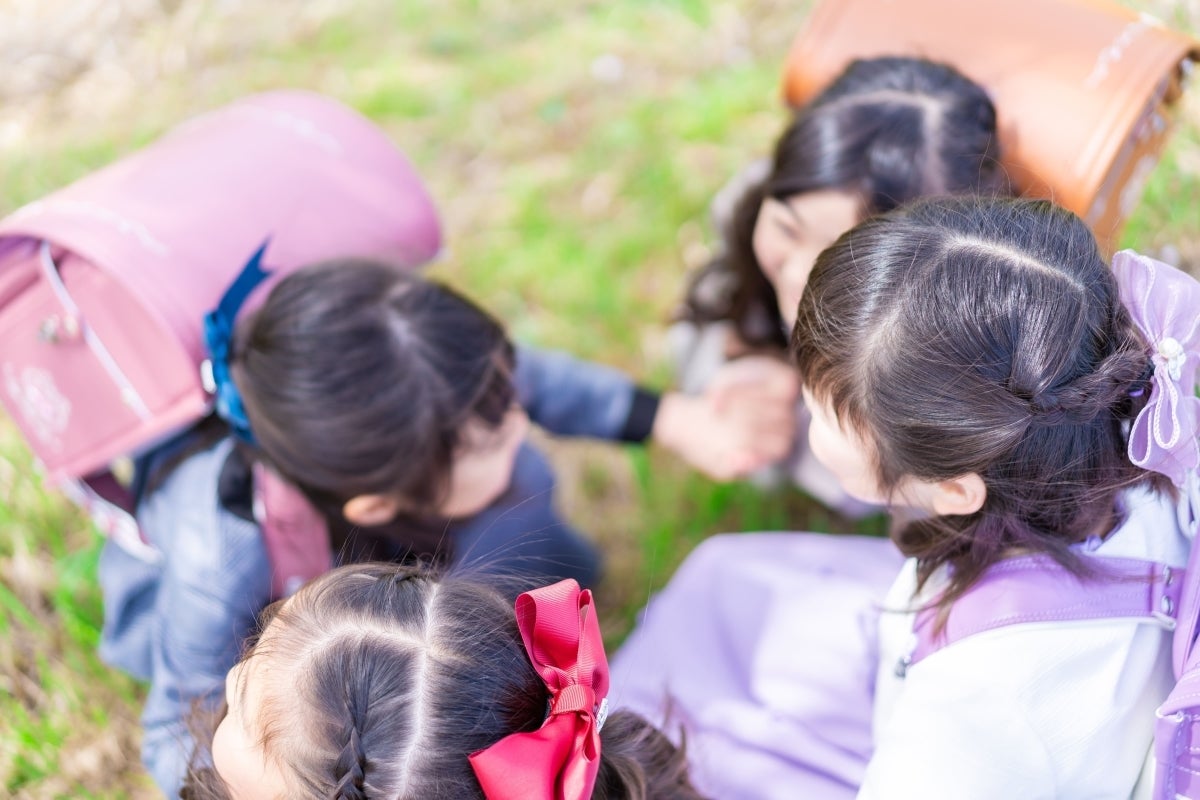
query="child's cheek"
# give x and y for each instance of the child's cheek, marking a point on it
(507, 465)
(838, 454)
(821, 447)
(222, 751)
(770, 250)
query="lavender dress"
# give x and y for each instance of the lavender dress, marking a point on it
(762, 651)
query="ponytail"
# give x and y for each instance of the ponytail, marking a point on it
(638, 762)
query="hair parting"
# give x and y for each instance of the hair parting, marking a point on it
(888, 129)
(384, 678)
(981, 336)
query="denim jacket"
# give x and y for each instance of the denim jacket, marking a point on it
(180, 623)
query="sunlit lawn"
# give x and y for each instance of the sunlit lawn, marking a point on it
(573, 148)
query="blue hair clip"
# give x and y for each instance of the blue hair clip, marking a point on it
(218, 338)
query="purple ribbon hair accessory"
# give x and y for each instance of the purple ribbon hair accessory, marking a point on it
(1165, 305)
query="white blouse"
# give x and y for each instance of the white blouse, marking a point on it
(1030, 711)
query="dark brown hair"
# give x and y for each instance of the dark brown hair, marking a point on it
(385, 678)
(358, 378)
(980, 336)
(890, 130)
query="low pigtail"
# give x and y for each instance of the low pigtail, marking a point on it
(1113, 389)
(1110, 390)
(638, 762)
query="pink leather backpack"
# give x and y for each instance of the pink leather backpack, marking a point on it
(104, 284)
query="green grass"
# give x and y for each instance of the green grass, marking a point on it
(69, 722)
(569, 201)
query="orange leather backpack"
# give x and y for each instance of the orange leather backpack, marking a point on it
(1084, 89)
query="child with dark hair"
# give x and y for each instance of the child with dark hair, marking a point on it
(886, 131)
(975, 361)
(390, 682)
(399, 409)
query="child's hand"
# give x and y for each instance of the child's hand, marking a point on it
(763, 376)
(744, 421)
(754, 398)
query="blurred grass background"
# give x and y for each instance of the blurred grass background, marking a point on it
(573, 148)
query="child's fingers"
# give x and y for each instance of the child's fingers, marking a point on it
(763, 417)
(760, 444)
(751, 443)
(751, 403)
(723, 467)
(741, 463)
(782, 382)
(775, 426)
(769, 437)
(760, 376)
(770, 449)
(734, 464)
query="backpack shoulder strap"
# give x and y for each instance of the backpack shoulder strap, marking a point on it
(1038, 589)
(296, 535)
(1189, 617)
(1177, 727)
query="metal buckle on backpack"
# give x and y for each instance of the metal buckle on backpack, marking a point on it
(1165, 613)
(54, 331)
(905, 661)
(207, 379)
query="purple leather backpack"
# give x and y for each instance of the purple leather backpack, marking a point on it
(1037, 589)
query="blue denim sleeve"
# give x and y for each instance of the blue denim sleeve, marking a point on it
(189, 621)
(571, 397)
(207, 608)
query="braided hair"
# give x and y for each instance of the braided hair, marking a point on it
(980, 336)
(351, 762)
(386, 677)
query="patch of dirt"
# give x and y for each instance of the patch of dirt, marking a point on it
(71, 63)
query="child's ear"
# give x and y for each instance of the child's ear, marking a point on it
(959, 496)
(371, 510)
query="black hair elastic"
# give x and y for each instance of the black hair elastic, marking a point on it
(1143, 380)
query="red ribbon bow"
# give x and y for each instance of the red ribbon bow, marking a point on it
(559, 761)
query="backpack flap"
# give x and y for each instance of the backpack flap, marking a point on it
(87, 373)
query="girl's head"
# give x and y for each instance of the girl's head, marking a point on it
(972, 358)
(378, 681)
(378, 392)
(887, 131)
